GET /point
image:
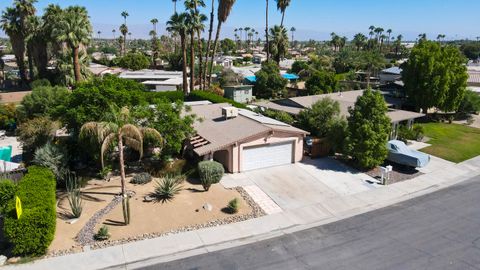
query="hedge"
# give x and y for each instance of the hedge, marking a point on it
(172, 96)
(32, 234)
(214, 98)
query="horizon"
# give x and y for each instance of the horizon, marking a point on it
(347, 18)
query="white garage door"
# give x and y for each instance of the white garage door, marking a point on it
(267, 156)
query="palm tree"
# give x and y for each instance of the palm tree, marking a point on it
(359, 40)
(241, 35)
(209, 44)
(174, 6)
(293, 30)
(195, 22)
(389, 32)
(370, 62)
(372, 29)
(99, 33)
(10, 24)
(154, 22)
(118, 130)
(26, 10)
(398, 43)
(282, 6)
(246, 29)
(224, 9)
(279, 42)
(113, 32)
(178, 24)
(75, 30)
(124, 30)
(267, 45)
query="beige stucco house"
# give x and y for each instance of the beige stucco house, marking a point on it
(243, 140)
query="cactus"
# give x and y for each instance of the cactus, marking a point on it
(74, 194)
(126, 209)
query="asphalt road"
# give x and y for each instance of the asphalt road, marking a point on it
(437, 231)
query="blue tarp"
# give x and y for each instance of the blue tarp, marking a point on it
(399, 153)
(6, 153)
(288, 76)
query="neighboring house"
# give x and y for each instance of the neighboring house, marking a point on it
(156, 80)
(390, 75)
(243, 140)
(346, 100)
(100, 70)
(259, 58)
(473, 81)
(223, 61)
(239, 93)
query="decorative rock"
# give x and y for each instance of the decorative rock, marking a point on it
(148, 199)
(3, 260)
(208, 207)
(72, 221)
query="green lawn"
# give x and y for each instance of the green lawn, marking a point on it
(452, 142)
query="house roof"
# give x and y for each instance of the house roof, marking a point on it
(345, 100)
(473, 77)
(214, 132)
(393, 70)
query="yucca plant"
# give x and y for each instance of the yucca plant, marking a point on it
(168, 187)
(74, 194)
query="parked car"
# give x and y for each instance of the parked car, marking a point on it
(399, 152)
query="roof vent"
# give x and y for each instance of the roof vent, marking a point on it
(229, 112)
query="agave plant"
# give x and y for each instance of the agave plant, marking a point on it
(167, 188)
(74, 194)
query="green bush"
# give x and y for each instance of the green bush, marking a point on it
(214, 98)
(7, 193)
(53, 157)
(416, 133)
(211, 172)
(141, 179)
(33, 232)
(40, 83)
(234, 206)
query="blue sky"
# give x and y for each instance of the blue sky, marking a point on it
(312, 18)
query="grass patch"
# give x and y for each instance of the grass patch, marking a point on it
(452, 142)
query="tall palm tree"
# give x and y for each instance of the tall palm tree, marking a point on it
(119, 130)
(209, 44)
(10, 24)
(389, 32)
(293, 30)
(113, 32)
(26, 10)
(174, 6)
(282, 5)
(279, 42)
(372, 29)
(224, 9)
(267, 45)
(75, 30)
(359, 40)
(241, 34)
(195, 21)
(99, 33)
(124, 31)
(154, 22)
(178, 24)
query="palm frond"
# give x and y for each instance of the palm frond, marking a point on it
(134, 144)
(132, 132)
(153, 134)
(109, 140)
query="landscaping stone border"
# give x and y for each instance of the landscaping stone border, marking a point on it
(85, 236)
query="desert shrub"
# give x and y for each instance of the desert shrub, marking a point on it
(33, 232)
(7, 193)
(141, 179)
(40, 83)
(167, 188)
(234, 206)
(211, 172)
(35, 133)
(74, 194)
(103, 173)
(52, 156)
(102, 234)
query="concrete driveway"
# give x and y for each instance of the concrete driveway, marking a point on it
(306, 183)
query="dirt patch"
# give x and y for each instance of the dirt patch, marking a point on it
(13, 97)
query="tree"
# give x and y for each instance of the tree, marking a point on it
(370, 62)
(323, 120)
(178, 24)
(209, 44)
(124, 30)
(43, 101)
(470, 103)
(230, 78)
(359, 40)
(299, 67)
(321, 82)
(293, 30)
(118, 131)
(267, 43)
(174, 6)
(282, 6)
(278, 45)
(224, 9)
(75, 30)
(227, 45)
(35, 133)
(471, 50)
(134, 61)
(368, 130)
(435, 76)
(270, 84)
(195, 21)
